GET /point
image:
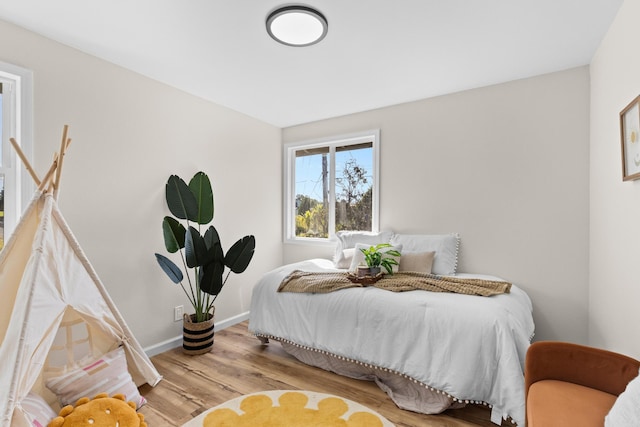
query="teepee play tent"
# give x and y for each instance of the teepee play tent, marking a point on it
(58, 325)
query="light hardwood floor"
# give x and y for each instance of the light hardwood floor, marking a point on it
(239, 364)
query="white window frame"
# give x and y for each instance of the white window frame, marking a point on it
(17, 120)
(289, 163)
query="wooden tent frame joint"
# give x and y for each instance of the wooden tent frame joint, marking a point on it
(51, 180)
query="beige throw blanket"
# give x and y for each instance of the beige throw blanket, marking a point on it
(308, 282)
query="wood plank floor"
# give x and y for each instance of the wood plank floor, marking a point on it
(239, 364)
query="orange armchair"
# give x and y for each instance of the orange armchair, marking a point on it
(573, 385)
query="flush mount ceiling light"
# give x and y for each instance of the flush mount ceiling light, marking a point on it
(297, 25)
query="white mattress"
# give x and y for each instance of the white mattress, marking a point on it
(471, 348)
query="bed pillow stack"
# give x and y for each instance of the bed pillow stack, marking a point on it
(425, 253)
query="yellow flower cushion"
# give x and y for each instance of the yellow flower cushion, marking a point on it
(101, 411)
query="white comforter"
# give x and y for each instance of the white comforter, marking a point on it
(470, 347)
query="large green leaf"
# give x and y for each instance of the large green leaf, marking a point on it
(195, 250)
(168, 266)
(214, 248)
(200, 186)
(211, 236)
(211, 281)
(173, 234)
(180, 200)
(239, 255)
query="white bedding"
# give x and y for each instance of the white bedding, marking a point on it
(470, 347)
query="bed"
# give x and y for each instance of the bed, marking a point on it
(429, 351)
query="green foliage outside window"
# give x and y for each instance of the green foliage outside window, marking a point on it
(353, 205)
(313, 222)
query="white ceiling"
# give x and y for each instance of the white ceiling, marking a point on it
(377, 52)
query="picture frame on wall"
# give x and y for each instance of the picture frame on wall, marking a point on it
(630, 138)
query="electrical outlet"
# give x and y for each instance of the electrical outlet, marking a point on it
(178, 311)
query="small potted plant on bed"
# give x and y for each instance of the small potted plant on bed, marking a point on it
(201, 254)
(376, 257)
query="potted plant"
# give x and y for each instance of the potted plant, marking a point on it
(375, 258)
(202, 255)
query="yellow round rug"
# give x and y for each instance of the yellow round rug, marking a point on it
(286, 408)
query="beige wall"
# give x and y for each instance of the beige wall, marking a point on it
(505, 166)
(614, 318)
(129, 134)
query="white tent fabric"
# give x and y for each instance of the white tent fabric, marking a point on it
(45, 279)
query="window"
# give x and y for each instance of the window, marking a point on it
(73, 342)
(331, 185)
(16, 186)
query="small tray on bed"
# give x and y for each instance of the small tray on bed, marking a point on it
(364, 280)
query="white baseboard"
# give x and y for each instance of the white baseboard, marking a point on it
(172, 343)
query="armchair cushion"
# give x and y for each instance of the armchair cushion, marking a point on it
(561, 403)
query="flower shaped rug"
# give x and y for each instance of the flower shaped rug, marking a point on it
(288, 409)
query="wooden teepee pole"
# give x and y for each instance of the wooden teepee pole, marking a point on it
(64, 143)
(49, 175)
(26, 163)
(52, 177)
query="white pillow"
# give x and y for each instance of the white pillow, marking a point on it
(626, 409)
(108, 374)
(38, 410)
(444, 245)
(348, 240)
(347, 257)
(358, 257)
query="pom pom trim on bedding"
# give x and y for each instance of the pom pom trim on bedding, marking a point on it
(265, 338)
(467, 347)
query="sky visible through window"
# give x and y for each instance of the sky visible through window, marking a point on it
(309, 170)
